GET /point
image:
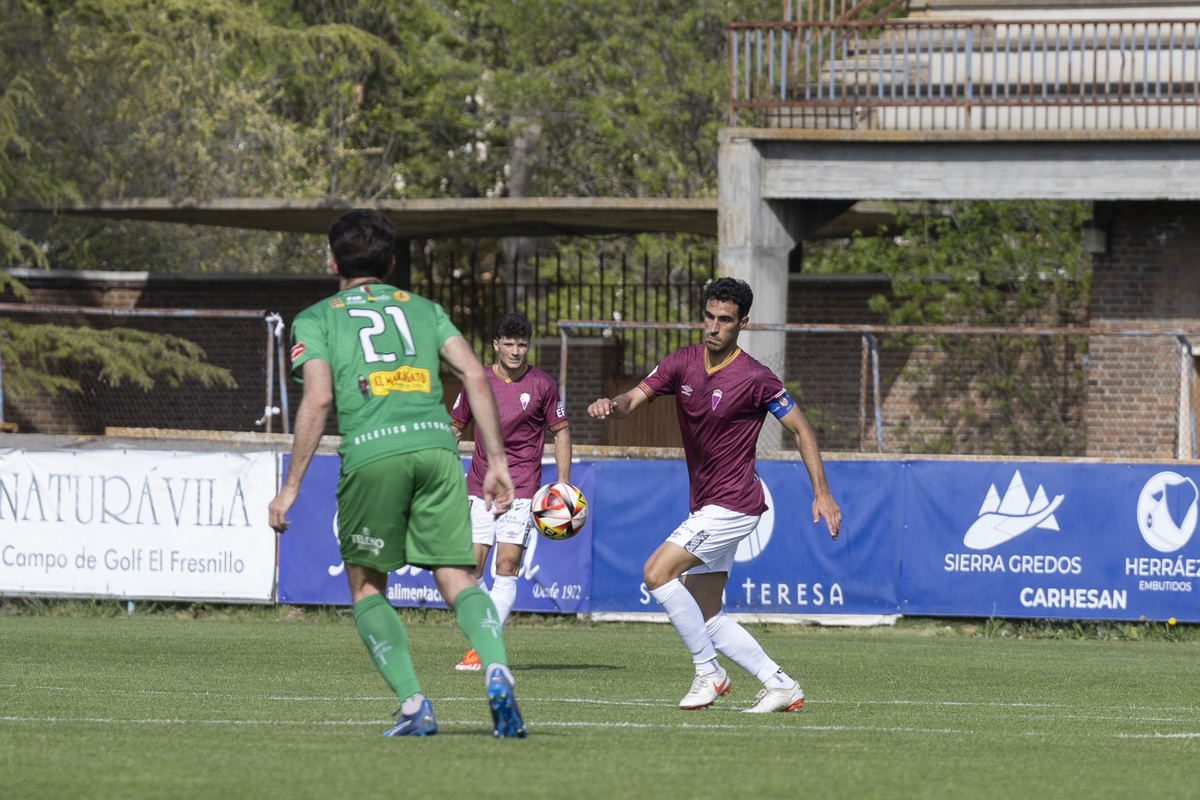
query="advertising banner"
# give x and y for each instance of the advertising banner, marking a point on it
(137, 524)
(555, 577)
(787, 566)
(1051, 540)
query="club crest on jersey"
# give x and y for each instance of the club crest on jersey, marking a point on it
(524, 400)
(716, 398)
(400, 295)
(297, 350)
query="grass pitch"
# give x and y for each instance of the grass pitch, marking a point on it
(263, 706)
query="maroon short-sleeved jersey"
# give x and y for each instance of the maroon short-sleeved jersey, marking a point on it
(720, 410)
(529, 406)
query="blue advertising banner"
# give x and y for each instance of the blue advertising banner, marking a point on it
(787, 566)
(555, 577)
(1034, 539)
(1050, 540)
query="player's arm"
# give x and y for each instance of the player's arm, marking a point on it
(310, 424)
(562, 453)
(620, 406)
(460, 416)
(806, 442)
(497, 483)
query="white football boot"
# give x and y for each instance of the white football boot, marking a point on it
(705, 690)
(788, 699)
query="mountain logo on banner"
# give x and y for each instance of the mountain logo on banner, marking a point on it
(1167, 511)
(1005, 518)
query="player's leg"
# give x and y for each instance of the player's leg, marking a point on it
(477, 618)
(439, 539)
(483, 537)
(386, 640)
(513, 531)
(661, 574)
(373, 511)
(780, 691)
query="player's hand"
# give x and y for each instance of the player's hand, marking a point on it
(601, 408)
(279, 508)
(497, 490)
(824, 506)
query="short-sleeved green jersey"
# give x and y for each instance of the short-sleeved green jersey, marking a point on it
(382, 345)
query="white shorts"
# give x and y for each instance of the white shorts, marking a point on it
(712, 535)
(514, 526)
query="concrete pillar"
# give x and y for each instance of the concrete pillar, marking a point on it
(755, 239)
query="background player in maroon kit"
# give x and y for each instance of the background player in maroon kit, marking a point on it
(722, 396)
(529, 405)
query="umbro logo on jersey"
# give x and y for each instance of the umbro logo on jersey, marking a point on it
(686, 390)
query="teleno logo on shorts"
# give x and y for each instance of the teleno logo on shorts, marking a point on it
(367, 542)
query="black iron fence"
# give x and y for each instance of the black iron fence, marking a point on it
(476, 291)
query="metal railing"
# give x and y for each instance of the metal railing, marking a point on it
(1044, 413)
(231, 339)
(966, 74)
(475, 293)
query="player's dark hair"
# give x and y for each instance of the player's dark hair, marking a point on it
(362, 243)
(512, 326)
(731, 290)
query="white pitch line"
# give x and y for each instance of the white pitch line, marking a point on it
(534, 726)
(443, 722)
(650, 702)
(1157, 735)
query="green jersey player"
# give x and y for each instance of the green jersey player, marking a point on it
(372, 352)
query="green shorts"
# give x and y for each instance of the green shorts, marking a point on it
(408, 509)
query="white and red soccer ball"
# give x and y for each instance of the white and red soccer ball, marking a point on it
(559, 510)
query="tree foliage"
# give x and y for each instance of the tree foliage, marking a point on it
(41, 359)
(371, 99)
(1012, 264)
(33, 355)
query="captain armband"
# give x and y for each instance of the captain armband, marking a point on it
(781, 404)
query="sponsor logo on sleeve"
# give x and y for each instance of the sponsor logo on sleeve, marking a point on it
(297, 350)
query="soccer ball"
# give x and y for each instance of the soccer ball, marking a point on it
(559, 510)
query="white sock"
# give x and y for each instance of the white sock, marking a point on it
(412, 704)
(688, 620)
(504, 594)
(735, 643)
(487, 672)
(481, 583)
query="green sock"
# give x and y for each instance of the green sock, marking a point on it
(479, 621)
(386, 640)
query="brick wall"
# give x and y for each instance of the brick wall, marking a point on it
(1132, 383)
(1148, 276)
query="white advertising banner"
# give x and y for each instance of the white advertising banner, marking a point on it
(137, 524)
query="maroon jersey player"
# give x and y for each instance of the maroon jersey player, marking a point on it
(529, 405)
(722, 397)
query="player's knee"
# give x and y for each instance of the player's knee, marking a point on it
(654, 575)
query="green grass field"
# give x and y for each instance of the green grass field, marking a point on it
(259, 705)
